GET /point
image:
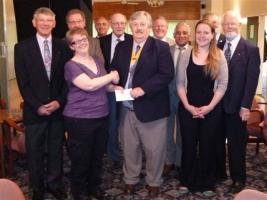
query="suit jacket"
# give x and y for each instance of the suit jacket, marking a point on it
(105, 44)
(34, 85)
(153, 73)
(95, 50)
(244, 69)
(221, 40)
(172, 87)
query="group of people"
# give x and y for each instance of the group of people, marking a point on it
(186, 99)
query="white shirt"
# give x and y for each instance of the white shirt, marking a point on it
(126, 103)
(41, 40)
(234, 44)
(176, 53)
(114, 43)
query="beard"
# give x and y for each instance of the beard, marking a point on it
(231, 35)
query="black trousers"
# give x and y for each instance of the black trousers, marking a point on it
(44, 146)
(198, 149)
(87, 140)
(236, 134)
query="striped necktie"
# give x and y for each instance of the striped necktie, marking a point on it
(228, 52)
(47, 58)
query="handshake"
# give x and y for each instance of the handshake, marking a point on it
(115, 77)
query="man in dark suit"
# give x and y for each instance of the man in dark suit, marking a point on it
(75, 18)
(146, 68)
(101, 26)
(108, 43)
(215, 21)
(244, 68)
(39, 66)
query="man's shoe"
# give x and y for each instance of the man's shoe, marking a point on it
(38, 196)
(58, 194)
(153, 192)
(183, 190)
(167, 169)
(129, 189)
(208, 193)
(236, 187)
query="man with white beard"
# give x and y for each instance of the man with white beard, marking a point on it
(244, 67)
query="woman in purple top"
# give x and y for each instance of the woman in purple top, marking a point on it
(85, 114)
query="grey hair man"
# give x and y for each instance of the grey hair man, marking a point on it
(160, 29)
(146, 68)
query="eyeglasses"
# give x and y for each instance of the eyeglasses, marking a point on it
(118, 23)
(75, 22)
(79, 42)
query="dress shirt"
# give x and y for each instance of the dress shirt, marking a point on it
(234, 44)
(176, 53)
(114, 42)
(127, 103)
(41, 40)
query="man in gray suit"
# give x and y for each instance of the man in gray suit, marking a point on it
(75, 18)
(174, 146)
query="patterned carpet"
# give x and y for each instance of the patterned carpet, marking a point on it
(113, 184)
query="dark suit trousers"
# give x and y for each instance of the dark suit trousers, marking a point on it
(44, 146)
(113, 138)
(198, 149)
(236, 134)
(87, 145)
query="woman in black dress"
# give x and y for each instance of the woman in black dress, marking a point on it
(201, 83)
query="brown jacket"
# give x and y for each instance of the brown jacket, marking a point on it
(94, 48)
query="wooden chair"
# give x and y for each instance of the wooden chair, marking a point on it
(255, 125)
(14, 140)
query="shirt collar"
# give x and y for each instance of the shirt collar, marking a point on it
(140, 44)
(41, 39)
(114, 37)
(235, 41)
(185, 46)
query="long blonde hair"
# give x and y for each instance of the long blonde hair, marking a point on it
(212, 67)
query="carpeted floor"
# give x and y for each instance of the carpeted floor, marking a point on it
(113, 184)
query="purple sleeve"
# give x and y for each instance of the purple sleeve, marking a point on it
(72, 70)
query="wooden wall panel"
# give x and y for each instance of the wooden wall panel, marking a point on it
(172, 10)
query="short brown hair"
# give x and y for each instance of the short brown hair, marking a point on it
(76, 31)
(75, 11)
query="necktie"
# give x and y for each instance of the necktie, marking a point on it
(131, 74)
(227, 52)
(132, 68)
(113, 50)
(47, 58)
(118, 40)
(179, 56)
(137, 49)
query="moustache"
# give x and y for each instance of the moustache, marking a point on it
(139, 31)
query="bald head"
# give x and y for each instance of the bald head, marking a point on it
(101, 26)
(160, 27)
(214, 20)
(118, 23)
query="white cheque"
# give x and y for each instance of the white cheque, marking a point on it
(123, 95)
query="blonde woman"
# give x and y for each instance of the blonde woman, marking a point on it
(86, 115)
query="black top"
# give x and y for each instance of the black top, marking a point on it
(200, 86)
